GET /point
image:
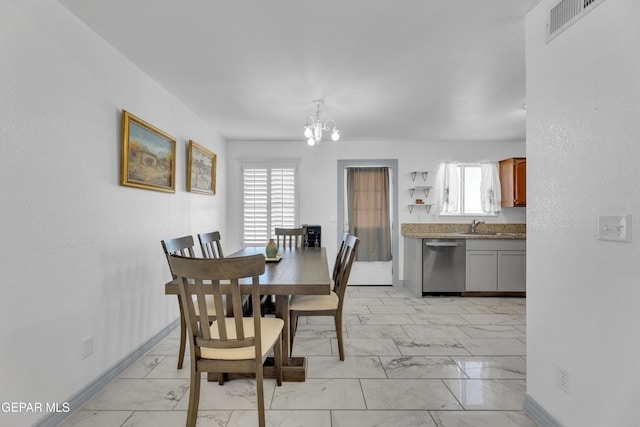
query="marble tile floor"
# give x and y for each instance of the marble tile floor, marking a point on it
(433, 361)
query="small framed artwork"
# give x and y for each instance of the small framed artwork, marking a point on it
(201, 175)
(148, 157)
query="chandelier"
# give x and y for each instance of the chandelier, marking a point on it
(314, 127)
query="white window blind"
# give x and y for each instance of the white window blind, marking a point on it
(269, 199)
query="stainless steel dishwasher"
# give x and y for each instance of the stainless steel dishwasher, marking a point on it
(443, 266)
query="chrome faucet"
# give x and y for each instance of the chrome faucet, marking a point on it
(474, 224)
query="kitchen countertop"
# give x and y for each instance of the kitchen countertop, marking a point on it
(453, 231)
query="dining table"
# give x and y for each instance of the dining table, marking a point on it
(294, 271)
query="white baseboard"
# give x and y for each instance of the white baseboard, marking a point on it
(90, 390)
(538, 413)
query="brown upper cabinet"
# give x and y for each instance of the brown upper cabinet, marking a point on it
(513, 180)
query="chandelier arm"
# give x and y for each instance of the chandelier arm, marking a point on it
(326, 124)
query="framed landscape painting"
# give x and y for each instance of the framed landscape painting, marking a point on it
(148, 156)
(201, 175)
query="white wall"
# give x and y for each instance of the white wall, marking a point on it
(583, 148)
(318, 176)
(81, 255)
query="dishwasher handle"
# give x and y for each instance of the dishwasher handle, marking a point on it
(452, 243)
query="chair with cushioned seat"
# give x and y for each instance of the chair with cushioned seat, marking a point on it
(235, 344)
(183, 246)
(327, 305)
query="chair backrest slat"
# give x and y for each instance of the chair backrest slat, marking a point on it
(290, 237)
(202, 306)
(236, 299)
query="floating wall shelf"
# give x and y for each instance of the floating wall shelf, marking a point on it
(425, 189)
(428, 206)
(423, 173)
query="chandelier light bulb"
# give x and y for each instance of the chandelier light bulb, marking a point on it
(335, 135)
(307, 132)
(311, 142)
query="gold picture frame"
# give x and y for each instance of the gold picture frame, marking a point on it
(148, 158)
(201, 170)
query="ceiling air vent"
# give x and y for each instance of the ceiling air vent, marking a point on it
(565, 13)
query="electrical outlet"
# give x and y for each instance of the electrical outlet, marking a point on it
(87, 347)
(563, 380)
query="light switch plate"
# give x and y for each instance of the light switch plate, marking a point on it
(614, 228)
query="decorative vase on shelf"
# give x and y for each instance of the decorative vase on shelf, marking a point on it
(272, 249)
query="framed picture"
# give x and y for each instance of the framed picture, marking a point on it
(148, 157)
(201, 175)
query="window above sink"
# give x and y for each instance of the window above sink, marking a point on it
(468, 189)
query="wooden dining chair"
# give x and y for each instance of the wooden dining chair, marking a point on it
(210, 244)
(183, 246)
(290, 237)
(235, 344)
(326, 305)
(341, 250)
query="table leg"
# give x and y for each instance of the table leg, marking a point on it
(282, 312)
(293, 368)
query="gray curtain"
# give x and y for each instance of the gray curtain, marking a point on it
(368, 212)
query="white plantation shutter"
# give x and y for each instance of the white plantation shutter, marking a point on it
(269, 199)
(255, 205)
(283, 198)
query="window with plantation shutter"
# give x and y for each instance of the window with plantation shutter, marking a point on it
(270, 199)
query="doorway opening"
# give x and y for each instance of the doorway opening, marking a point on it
(377, 266)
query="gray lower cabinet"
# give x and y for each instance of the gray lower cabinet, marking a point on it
(482, 271)
(512, 271)
(495, 265)
(413, 265)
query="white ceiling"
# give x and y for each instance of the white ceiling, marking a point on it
(395, 70)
